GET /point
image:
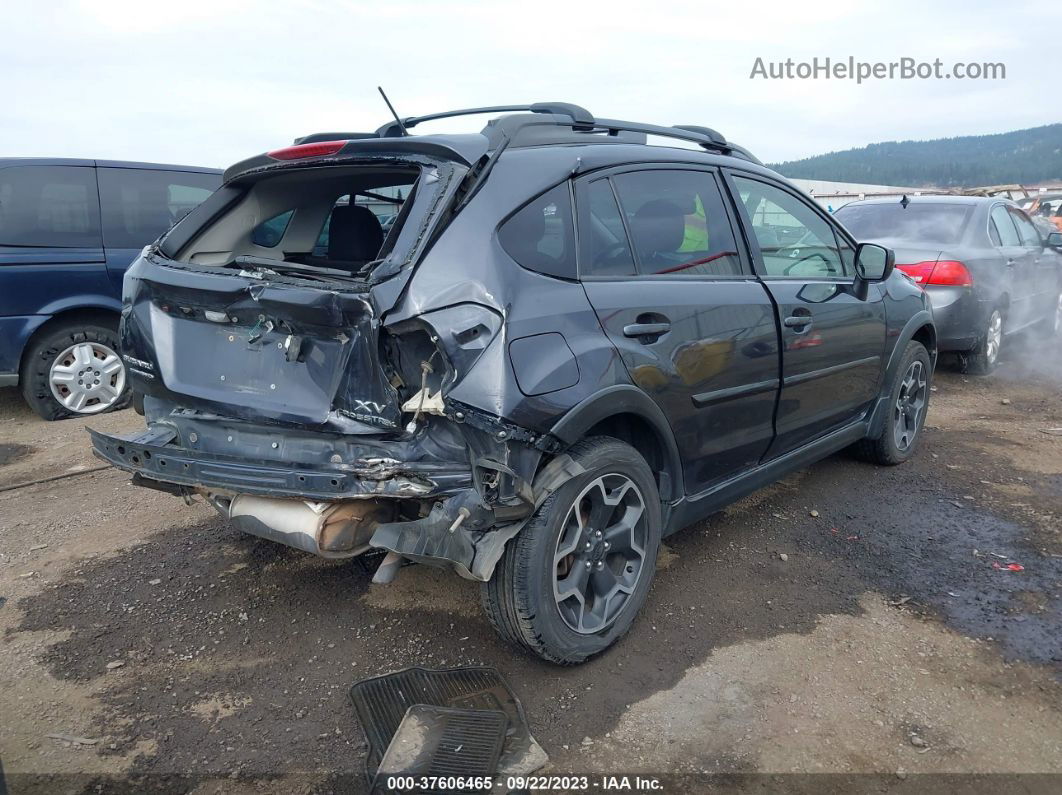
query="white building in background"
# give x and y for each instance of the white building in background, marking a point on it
(834, 195)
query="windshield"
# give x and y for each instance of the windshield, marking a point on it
(918, 222)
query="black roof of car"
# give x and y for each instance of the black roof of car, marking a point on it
(78, 161)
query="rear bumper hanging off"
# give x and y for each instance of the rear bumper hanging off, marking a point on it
(152, 455)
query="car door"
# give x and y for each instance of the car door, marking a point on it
(832, 338)
(675, 293)
(51, 257)
(137, 205)
(1039, 268)
(1015, 277)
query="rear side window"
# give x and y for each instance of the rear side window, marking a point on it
(139, 204)
(1029, 236)
(677, 223)
(540, 235)
(1005, 231)
(49, 207)
(269, 233)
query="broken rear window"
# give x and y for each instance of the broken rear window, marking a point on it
(335, 219)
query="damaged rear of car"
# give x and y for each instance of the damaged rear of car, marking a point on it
(273, 384)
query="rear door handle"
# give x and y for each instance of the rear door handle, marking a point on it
(646, 329)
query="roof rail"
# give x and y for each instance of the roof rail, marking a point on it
(571, 124)
(580, 117)
(706, 131)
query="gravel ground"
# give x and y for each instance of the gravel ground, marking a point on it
(849, 620)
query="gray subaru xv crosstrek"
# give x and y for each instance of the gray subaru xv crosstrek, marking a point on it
(568, 344)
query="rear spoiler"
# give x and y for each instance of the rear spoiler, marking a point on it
(463, 149)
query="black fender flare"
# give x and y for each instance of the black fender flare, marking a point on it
(919, 319)
(624, 399)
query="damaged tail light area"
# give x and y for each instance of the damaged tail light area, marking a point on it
(436, 350)
(430, 355)
(950, 273)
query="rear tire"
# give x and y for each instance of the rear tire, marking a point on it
(983, 359)
(562, 589)
(908, 405)
(73, 369)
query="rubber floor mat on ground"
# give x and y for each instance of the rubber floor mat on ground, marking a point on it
(382, 702)
(438, 742)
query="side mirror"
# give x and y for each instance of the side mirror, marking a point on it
(1054, 240)
(874, 263)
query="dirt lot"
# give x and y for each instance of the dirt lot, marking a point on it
(847, 620)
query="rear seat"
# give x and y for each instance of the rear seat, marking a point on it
(354, 239)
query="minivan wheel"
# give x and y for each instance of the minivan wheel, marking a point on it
(570, 584)
(74, 370)
(982, 360)
(907, 408)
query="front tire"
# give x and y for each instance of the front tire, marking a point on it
(74, 370)
(570, 584)
(908, 405)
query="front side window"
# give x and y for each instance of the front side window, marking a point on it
(678, 224)
(540, 235)
(794, 240)
(139, 204)
(1030, 238)
(49, 207)
(1005, 231)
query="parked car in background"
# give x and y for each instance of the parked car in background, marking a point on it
(569, 344)
(986, 268)
(1046, 211)
(68, 231)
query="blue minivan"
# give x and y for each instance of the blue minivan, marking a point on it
(68, 231)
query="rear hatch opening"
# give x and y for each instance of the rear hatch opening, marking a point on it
(320, 222)
(265, 310)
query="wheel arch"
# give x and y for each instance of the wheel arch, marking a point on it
(919, 328)
(104, 315)
(626, 413)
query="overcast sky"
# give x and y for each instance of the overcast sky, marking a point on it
(209, 83)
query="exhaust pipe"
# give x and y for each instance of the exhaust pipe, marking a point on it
(328, 529)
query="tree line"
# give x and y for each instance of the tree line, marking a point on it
(1022, 156)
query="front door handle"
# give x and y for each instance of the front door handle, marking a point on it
(797, 321)
(646, 329)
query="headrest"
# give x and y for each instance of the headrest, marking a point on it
(354, 234)
(658, 226)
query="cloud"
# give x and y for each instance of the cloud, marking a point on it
(209, 83)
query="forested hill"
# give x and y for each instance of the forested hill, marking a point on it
(1025, 156)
